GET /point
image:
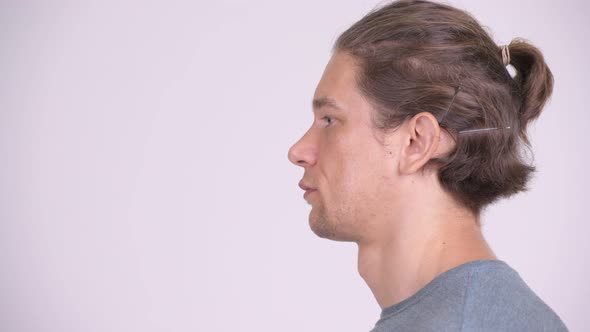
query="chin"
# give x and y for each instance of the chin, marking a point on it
(328, 229)
(321, 229)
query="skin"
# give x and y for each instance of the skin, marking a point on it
(370, 187)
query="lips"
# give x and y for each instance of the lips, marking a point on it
(307, 188)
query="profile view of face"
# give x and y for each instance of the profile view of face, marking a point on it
(347, 168)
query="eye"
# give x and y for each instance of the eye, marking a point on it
(328, 120)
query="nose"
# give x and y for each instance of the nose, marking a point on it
(304, 152)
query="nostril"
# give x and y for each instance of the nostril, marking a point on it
(302, 153)
(293, 156)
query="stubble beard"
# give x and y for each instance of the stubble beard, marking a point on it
(320, 224)
(328, 226)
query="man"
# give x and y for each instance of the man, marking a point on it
(401, 158)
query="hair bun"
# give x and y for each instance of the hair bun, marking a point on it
(534, 79)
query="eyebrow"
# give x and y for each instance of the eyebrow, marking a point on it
(325, 102)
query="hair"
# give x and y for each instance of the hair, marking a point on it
(412, 55)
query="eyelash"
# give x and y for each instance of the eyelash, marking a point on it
(329, 120)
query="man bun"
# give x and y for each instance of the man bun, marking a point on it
(534, 80)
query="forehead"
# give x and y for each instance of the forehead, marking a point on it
(338, 85)
(338, 82)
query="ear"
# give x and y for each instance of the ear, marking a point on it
(422, 136)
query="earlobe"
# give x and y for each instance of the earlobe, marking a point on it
(421, 142)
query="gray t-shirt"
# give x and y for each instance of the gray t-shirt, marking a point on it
(485, 295)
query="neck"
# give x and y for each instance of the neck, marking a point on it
(420, 246)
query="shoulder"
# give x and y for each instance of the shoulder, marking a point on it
(498, 299)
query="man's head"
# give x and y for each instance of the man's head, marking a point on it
(353, 170)
(379, 105)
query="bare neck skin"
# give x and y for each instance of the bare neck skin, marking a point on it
(416, 244)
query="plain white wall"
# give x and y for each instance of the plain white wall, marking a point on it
(145, 184)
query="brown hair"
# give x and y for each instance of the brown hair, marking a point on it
(413, 55)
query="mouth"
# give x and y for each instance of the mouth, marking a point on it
(308, 189)
(308, 192)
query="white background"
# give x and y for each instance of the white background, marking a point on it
(144, 180)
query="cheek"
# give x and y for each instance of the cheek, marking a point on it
(352, 164)
(338, 167)
(371, 171)
(349, 173)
